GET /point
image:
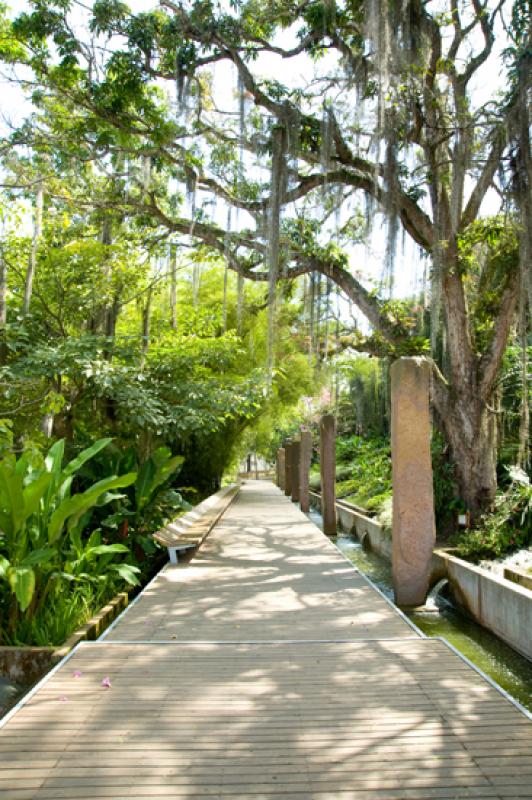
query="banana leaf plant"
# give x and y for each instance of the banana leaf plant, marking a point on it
(150, 501)
(41, 518)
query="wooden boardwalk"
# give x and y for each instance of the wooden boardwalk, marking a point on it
(267, 668)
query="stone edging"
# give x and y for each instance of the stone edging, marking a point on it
(28, 664)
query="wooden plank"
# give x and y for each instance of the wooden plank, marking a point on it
(399, 753)
(363, 710)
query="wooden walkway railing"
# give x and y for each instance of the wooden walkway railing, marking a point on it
(267, 667)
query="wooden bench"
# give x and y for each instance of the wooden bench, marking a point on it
(190, 530)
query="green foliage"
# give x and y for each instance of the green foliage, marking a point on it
(149, 503)
(489, 257)
(447, 503)
(368, 463)
(506, 528)
(364, 478)
(369, 395)
(515, 387)
(155, 471)
(42, 520)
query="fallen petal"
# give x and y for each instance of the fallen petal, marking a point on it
(62, 698)
(106, 683)
(77, 673)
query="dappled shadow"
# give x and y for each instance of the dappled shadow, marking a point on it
(398, 718)
(264, 573)
(394, 719)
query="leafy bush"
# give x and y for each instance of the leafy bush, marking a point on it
(507, 528)
(42, 550)
(364, 477)
(369, 468)
(147, 504)
(447, 503)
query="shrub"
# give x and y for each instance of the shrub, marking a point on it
(43, 552)
(507, 528)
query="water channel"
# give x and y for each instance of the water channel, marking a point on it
(511, 671)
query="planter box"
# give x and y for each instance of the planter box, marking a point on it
(518, 576)
(501, 606)
(26, 665)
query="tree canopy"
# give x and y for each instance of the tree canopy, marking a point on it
(172, 120)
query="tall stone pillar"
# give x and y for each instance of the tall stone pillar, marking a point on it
(288, 467)
(305, 457)
(328, 473)
(296, 452)
(414, 528)
(280, 468)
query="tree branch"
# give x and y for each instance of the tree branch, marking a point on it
(490, 362)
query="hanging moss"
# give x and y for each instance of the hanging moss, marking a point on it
(277, 194)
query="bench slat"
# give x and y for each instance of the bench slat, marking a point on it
(191, 529)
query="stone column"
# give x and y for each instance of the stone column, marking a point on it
(296, 452)
(280, 468)
(328, 473)
(288, 467)
(414, 529)
(305, 457)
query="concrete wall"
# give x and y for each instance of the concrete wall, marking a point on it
(518, 576)
(505, 608)
(352, 519)
(501, 606)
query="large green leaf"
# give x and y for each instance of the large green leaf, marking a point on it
(11, 499)
(38, 557)
(127, 572)
(23, 464)
(153, 473)
(161, 455)
(164, 470)
(101, 549)
(64, 489)
(22, 582)
(72, 508)
(84, 456)
(34, 492)
(53, 463)
(54, 459)
(143, 483)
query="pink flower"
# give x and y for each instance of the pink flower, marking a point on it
(62, 698)
(106, 683)
(77, 673)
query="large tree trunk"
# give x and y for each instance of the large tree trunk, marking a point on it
(471, 430)
(467, 403)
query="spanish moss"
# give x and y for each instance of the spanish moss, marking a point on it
(277, 193)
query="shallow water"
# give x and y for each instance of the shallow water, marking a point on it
(510, 670)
